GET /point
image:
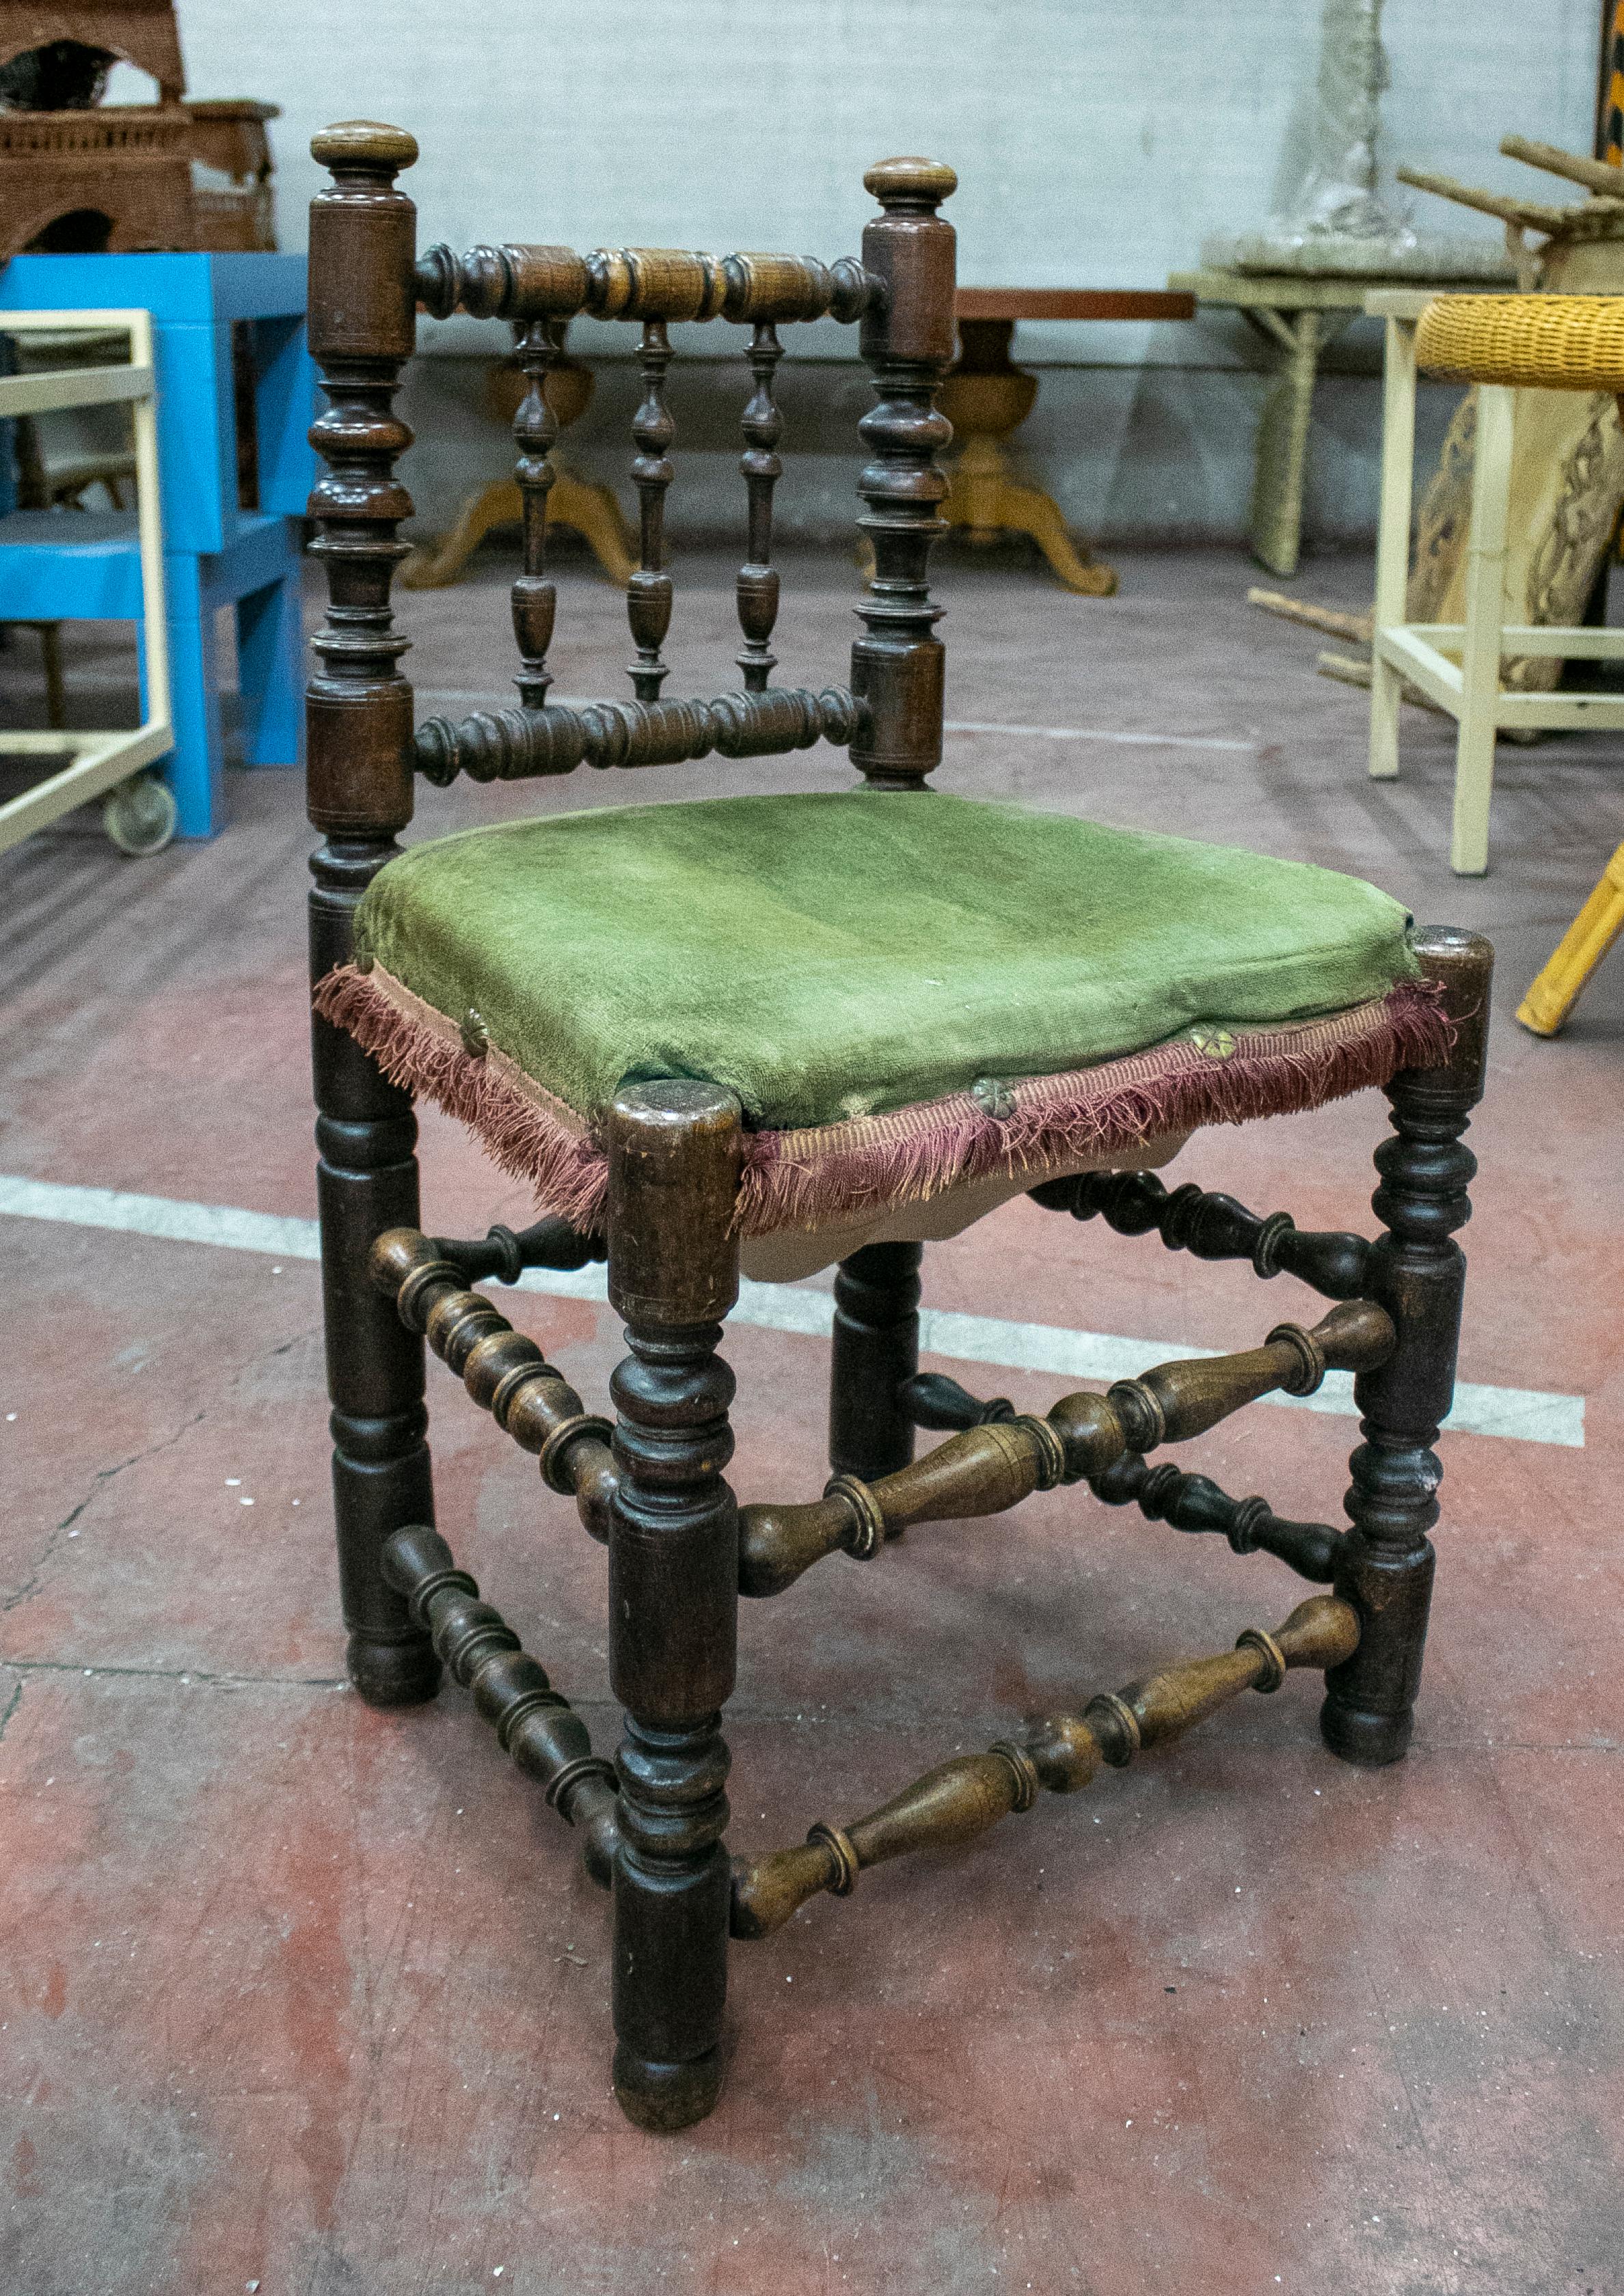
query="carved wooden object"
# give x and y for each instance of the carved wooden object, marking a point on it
(876, 1351)
(1213, 1228)
(674, 1152)
(653, 1487)
(523, 744)
(359, 778)
(505, 1373)
(907, 339)
(533, 1723)
(1195, 1502)
(998, 1463)
(1416, 1271)
(964, 1796)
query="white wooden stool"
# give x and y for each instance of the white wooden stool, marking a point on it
(1499, 342)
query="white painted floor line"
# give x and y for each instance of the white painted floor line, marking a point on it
(509, 701)
(1527, 1414)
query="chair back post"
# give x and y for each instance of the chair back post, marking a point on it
(908, 341)
(363, 329)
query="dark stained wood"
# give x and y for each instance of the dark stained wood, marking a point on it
(534, 1724)
(1418, 1272)
(757, 583)
(526, 744)
(897, 664)
(1073, 303)
(962, 1797)
(875, 1351)
(521, 283)
(649, 593)
(534, 600)
(505, 1373)
(674, 1152)
(359, 733)
(1213, 1228)
(1195, 1503)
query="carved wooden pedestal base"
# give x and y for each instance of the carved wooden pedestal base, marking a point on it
(587, 509)
(986, 398)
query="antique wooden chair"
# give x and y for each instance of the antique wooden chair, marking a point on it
(819, 1025)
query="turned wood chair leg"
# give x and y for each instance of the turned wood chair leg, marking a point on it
(876, 1348)
(1416, 1272)
(358, 777)
(366, 1180)
(673, 1589)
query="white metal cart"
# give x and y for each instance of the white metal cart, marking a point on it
(139, 810)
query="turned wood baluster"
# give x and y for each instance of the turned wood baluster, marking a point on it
(1195, 1503)
(534, 1722)
(1418, 1271)
(675, 1151)
(1001, 1462)
(960, 1799)
(648, 594)
(504, 1371)
(907, 339)
(1213, 1228)
(358, 775)
(875, 1351)
(757, 579)
(535, 598)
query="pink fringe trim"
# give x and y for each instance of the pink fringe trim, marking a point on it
(826, 1174)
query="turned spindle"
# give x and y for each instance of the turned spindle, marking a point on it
(674, 1152)
(1418, 1272)
(358, 786)
(1212, 1226)
(997, 1464)
(504, 1371)
(757, 581)
(534, 1724)
(908, 341)
(648, 594)
(967, 1796)
(534, 600)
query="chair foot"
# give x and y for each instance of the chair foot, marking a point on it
(393, 1674)
(1368, 1740)
(664, 2098)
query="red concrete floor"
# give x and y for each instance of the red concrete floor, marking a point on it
(300, 1997)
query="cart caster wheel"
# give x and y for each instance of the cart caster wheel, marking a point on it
(140, 814)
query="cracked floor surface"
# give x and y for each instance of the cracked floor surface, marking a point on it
(295, 1994)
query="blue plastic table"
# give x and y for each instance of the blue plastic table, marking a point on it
(228, 535)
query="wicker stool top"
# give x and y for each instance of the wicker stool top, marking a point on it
(1550, 342)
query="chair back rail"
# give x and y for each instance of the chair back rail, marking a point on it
(367, 282)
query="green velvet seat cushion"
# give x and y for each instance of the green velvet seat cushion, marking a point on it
(829, 957)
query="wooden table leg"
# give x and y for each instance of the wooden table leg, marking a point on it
(587, 510)
(1280, 456)
(986, 398)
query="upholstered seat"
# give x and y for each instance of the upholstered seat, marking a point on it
(904, 993)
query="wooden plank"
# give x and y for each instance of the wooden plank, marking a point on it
(1072, 303)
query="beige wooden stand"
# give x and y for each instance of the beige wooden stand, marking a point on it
(1458, 664)
(97, 762)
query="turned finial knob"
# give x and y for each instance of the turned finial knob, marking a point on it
(364, 144)
(921, 184)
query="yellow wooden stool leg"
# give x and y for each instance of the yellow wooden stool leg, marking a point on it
(1581, 948)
